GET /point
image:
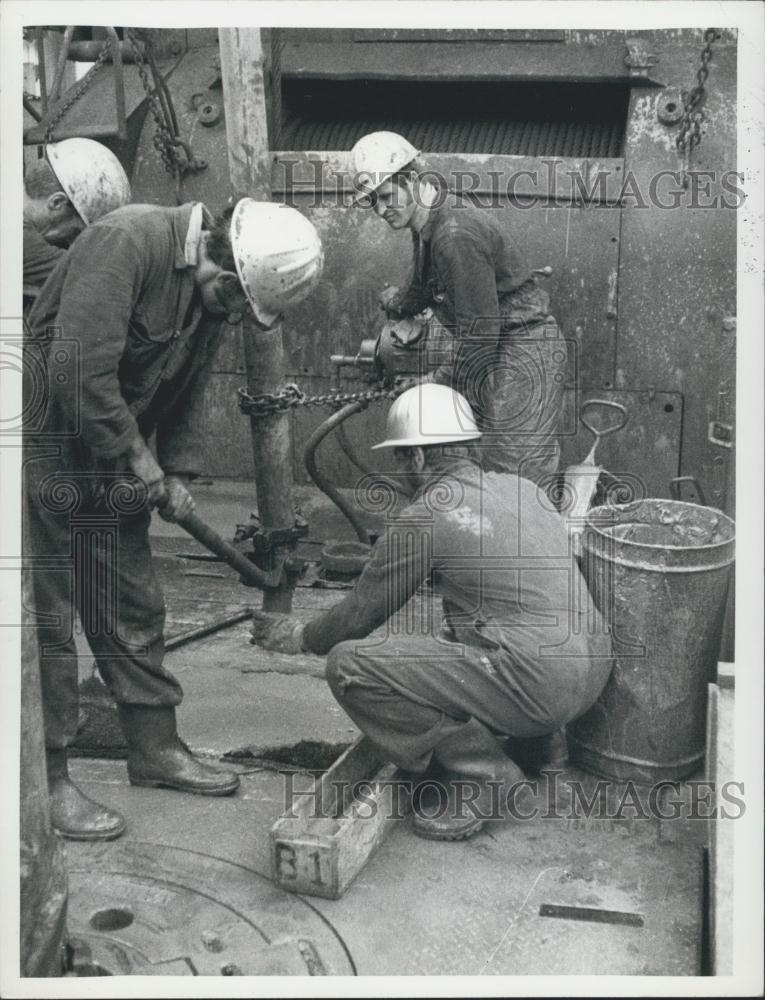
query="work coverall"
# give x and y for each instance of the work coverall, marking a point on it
(40, 258)
(123, 307)
(528, 651)
(508, 356)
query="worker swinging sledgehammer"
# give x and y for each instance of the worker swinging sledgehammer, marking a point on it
(143, 294)
(75, 183)
(509, 359)
(523, 649)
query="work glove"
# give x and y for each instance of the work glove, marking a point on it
(390, 300)
(277, 633)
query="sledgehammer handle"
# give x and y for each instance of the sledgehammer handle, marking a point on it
(211, 540)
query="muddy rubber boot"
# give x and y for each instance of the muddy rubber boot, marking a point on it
(72, 813)
(470, 758)
(157, 758)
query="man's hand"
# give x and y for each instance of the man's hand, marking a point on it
(389, 299)
(277, 633)
(179, 501)
(144, 465)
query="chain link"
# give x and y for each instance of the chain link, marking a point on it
(689, 135)
(291, 396)
(82, 87)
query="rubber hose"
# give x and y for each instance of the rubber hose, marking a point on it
(309, 458)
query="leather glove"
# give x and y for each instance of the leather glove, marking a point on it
(390, 300)
(277, 633)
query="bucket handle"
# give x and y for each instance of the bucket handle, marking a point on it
(609, 404)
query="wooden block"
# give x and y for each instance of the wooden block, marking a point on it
(326, 837)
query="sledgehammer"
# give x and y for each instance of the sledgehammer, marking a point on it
(211, 540)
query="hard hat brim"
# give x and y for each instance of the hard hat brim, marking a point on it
(424, 442)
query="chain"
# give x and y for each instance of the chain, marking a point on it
(173, 151)
(266, 404)
(82, 87)
(689, 135)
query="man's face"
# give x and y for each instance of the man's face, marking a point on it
(394, 202)
(410, 465)
(220, 290)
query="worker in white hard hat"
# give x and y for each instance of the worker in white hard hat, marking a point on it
(75, 183)
(508, 356)
(139, 305)
(522, 651)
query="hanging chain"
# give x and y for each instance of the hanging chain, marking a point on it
(689, 135)
(291, 396)
(76, 93)
(176, 155)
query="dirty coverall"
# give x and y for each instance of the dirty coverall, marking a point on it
(508, 356)
(40, 258)
(128, 348)
(529, 650)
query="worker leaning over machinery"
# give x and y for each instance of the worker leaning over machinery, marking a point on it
(143, 293)
(76, 183)
(523, 649)
(509, 359)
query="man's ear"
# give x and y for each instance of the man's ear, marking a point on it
(417, 458)
(58, 203)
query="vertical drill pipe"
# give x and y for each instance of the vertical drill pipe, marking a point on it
(244, 72)
(321, 481)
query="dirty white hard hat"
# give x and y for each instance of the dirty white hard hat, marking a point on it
(429, 414)
(278, 255)
(375, 158)
(91, 176)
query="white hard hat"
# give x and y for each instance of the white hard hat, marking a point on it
(278, 254)
(91, 176)
(375, 158)
(429, 414)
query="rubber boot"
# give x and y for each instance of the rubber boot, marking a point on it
(72, 813)
(535, 754)
(472, 756)
(157, 758)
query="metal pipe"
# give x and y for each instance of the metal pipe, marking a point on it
(204, 630)
(55, 90)
(41, 76)
(119, 82)
(211, 540)
(88, 51)
(31, 109)
(245, 79)
(321, 481)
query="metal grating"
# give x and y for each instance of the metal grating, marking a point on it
(508, 138)
(533, 118)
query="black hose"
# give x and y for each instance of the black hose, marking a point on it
(321, 481)
(350, 452)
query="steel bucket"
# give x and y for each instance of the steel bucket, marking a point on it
(658, 571)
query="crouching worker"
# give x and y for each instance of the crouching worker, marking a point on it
(522, 650)
(140, 300)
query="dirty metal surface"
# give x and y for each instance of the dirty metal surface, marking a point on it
(677, 270)
(147, 909)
